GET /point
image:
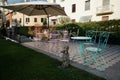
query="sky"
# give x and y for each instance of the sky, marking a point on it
(18, 1)
(14, 1)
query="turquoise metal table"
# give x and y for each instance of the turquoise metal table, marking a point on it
(82, 39)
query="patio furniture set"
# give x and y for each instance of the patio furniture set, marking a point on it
(94, 51)
(91, 46)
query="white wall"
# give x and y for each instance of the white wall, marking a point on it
(116, 8)
(80, 11)
(67, 4)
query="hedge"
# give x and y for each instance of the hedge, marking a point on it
(2, 32)
(25, 31)
(111, 26)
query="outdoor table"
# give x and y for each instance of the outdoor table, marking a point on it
(81, 39)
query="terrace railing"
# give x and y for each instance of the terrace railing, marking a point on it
(108, 9)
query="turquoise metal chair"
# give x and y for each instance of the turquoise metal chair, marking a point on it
(92, 34)
(96, 52)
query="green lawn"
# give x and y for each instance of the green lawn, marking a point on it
(21, 63)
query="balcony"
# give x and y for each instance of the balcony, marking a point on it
(102, 10)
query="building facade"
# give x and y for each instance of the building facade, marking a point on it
(77, 10)
(90, 10)
(23, 19)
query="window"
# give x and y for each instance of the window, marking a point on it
(105, 18)
(35, 19)
(27, 19)
(54, 1)
(20, 20)
(87, 5)
(74, 8)
(86, 18)
(106, 2)
(73, 20)
(42, 19)
(62, 0)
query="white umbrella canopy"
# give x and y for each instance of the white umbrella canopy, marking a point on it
(37, 8)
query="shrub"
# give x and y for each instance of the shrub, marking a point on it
(111, 26)
(2, 32)
(24, 31)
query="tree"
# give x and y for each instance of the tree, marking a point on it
(64, 20)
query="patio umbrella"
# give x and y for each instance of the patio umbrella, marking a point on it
(37, 8)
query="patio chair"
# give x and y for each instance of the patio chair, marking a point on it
(92, 34)
(64, 41)
(96, 52)
(54, 38)
(65, 34)
(74, 33)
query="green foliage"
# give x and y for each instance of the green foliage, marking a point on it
(72, 28)
(2, 32)
(64, 20)
(44, 21)
(25, 31)
(111, 26)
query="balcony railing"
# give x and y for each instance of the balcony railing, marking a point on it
(108, 9)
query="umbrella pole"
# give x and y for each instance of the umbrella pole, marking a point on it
(23, 20)
(48, 21)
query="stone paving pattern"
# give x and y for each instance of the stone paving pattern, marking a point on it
(111, 55)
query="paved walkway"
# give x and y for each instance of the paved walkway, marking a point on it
(111, 54)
